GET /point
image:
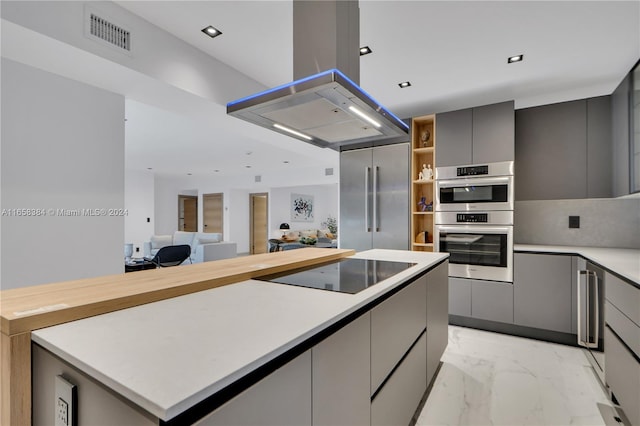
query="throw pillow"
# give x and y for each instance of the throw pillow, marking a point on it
(159, 241)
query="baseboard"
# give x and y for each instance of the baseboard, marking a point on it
(515, 330)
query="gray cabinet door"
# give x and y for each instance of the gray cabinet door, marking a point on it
(492, 300)
(437, 317)
(341, 373)
(397, 401)
(281, 398)
(356, 177)
(493, 133)
(390, 197)
(622, 375)
(542, 288)
(395, 324)
(551, 152)
(599, 152)
(454, 138)
(460, 297)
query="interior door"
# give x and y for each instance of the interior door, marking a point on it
(213, 212)
(258, 218)
(188, 213)
(356, 215)
(391, 197)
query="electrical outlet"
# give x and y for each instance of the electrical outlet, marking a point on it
(62, 412)
(574, 221)
(66, 403)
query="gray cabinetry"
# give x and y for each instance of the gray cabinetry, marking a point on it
(281, 398)
(341, 376)
(437, 317)
(570, 142)
(492, 300)
(493, 133)
(622, 372)
(542, 291)
(395, 325)
(622, 344)
(460, 296)
(455, 133)
(483, 134)
(397, 401)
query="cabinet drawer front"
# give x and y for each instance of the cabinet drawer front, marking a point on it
(623, 296)
(623, 327)
(460, 297)
(395, 324)
(492, 301)
(623, 376)
(397, 401)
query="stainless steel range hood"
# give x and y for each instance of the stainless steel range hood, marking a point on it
(327, 109)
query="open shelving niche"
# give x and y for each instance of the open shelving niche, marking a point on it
(422, 153)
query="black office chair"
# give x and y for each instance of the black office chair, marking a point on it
(172, 255)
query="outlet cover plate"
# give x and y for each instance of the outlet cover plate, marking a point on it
(574, 221)
(66, 402)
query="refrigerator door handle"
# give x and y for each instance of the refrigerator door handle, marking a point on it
(596, 320)
(376, 216)
(367, 193)
(581, 341)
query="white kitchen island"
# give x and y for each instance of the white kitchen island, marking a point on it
(282, 353)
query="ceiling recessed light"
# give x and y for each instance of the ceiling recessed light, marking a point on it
(248, 167)
(211, 31)
(188, 174)
(404, 84)
(149, 168)
(517, 58)
(286, 161)
(365, 50)
(216, 170)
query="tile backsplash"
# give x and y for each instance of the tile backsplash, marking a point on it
(604, 222)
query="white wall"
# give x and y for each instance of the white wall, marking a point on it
(139, 203)
(236, 190)
(325, 203)
(62, 148)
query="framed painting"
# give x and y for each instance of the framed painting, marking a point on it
(301, 208)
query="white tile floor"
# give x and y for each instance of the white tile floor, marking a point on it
(494, 379)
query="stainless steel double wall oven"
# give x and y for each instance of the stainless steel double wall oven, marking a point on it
(474, 220)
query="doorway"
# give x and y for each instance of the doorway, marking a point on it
(188, 213)
(213, 212)
(258, 207)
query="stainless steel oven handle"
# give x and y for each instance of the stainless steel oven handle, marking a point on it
(475, 229)
(473, 182)
(367, 224)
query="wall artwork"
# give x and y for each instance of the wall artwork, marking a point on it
(301, 208)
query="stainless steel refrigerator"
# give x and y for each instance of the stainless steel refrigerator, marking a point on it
(374, 198)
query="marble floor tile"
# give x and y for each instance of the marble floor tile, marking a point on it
(494, 379)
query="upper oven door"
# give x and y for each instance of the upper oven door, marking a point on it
(486, 193)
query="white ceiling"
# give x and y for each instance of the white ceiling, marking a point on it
(453, 52)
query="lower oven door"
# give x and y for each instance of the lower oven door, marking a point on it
(477, 251)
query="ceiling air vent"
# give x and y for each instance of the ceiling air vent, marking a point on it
(103, 30)
(258, 178)
(328, 172)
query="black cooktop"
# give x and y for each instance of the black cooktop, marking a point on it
(345, 276)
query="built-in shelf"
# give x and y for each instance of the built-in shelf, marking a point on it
(423, 151)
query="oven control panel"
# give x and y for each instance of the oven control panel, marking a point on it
(472, 217)
(473, 170)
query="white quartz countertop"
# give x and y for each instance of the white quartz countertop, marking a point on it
(169, 355)
(624, 262)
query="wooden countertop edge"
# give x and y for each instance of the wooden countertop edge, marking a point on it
(95, 296)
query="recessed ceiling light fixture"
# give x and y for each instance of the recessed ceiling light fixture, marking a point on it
(365, 50)
(248, 167)
(517, 58)
(404, 84)
(293, 132)
(211, 31)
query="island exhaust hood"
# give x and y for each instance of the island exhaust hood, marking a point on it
(327, 108)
